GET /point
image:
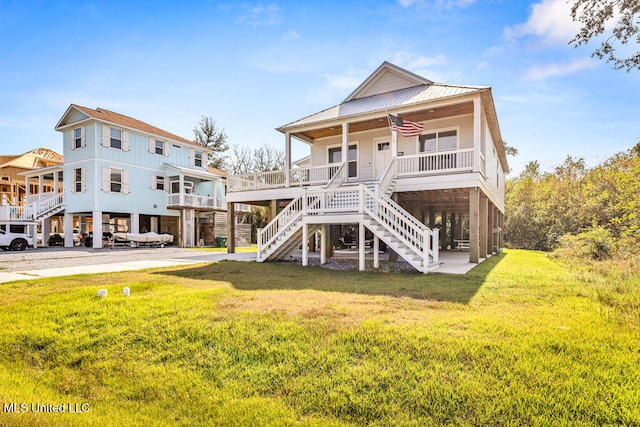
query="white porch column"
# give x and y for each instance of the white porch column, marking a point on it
(305, 244)
(135, 223)
(27, 191)
(477, 111)
(376, 252)
(181, 186)
(361, 246)
(394, 144)
(344, 155)
(40, 187)
(68, 230)
(287, 153)
(55, 183)
(97, 229)
(323, 243)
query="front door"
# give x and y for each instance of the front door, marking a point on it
(382, 148)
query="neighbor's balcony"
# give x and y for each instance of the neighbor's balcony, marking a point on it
(194, 201)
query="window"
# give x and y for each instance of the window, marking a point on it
(159, 182)
(116, 138)
(335, 156)
(115, 181)
(77, 138)
(383, 146)
(78, 180)
(159, 147)
(439, 141)
(197, 159)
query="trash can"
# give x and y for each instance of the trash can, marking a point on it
(221, 242)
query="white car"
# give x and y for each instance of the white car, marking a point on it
(14, 241)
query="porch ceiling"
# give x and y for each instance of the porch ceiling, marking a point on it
(453, 200)
(382, 122)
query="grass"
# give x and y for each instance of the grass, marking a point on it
(520, 340)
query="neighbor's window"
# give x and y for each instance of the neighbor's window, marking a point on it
(116, 138)
(198, 159)
(159, 182)
(77, 138)
(160, 147)
(439, 141)
(116, 180)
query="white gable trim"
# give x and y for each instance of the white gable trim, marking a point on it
(386, 67)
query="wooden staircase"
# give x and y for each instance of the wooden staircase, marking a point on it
(33, 212)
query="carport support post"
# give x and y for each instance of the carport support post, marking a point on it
(376, 252)
(305, 244)
(135, 223)
(231, 228)
(46, 231)
(68, 230)
(97, 229)
(323, 243)
(361, 246)
(482, 214)
(474, 225)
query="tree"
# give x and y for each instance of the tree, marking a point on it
(208, 135)
(594, 15)
(263, 159)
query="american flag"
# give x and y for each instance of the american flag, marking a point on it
(405, 127)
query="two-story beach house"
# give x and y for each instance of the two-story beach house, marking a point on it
(121, 174)
(417, 164)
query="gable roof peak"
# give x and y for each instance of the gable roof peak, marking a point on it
(387, 78)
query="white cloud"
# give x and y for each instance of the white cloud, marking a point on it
(291, 35)
(549, 20)
(542, 72)
(260, 15)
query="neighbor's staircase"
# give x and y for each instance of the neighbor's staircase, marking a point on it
(369, 204)
(35, 211)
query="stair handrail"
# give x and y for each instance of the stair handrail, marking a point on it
(415, 235)
(287, 216)
(387, 177)
(43, 206)
(338, 178)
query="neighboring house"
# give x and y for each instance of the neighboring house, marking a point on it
(12, 185)
(121, 174)
(440, 189)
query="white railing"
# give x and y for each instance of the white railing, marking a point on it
(33, 211)
(313, 175)
(339, 177)
(194, 201)
(431, 163)
(256, 181)
(387, 178)
(32, 198)
(290, 214)
(412, 234)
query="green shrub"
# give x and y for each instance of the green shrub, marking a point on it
(596, 244)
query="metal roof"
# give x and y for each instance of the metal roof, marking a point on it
(385, 101)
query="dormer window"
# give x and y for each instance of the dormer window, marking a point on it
(116, 138)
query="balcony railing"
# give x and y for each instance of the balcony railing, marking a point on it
(194, 201)
(434, 163)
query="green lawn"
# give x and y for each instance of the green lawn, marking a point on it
(520, 340)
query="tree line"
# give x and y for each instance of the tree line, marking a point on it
(592, 211)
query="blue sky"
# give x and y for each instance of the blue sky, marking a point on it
(254, 66)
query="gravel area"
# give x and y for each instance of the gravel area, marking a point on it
(41, 258)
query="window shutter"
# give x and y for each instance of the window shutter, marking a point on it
(83, 177)
(106, 136)
(192, 157)
(166, 183)
(73, 139)
(166, 148)
(152, 145)
(125, 181)
(83, 138)
(152, 184)
(125, 140)
(106, 178)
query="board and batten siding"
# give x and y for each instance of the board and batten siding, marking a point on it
(388, 82)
